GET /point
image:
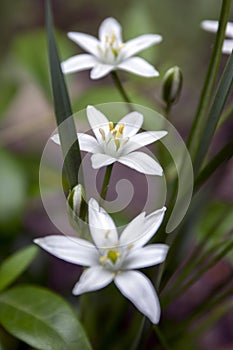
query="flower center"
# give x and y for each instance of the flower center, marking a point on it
(112, 255)
(115, 134)
(110, 48)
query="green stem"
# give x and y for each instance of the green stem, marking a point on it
(136, 342)
(120, 87)
(105, 184)
(225, 115)
(161, 338)
(201, 115)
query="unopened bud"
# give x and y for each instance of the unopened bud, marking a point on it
(172, 84)
(76, 205)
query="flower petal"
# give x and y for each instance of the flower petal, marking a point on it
(98, 160)
(71, 249)
(142, 163)
(132, 123)
(102, 227)
(139, 290)
(78, 63)
(97, 120)
(92, 279)
(140, 43)
(139, 66)
(143, 139)
(88, 143)
(212, 26)
(100, 70)
(108, 27)
(150, 255)
(227, 46)
(140, 230)
(87, 42)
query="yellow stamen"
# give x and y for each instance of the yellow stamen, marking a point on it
(112, 39)
(111, 126)
(120, 130)
(102, 133)
(113, 255)
(103, 259)
(117, 143)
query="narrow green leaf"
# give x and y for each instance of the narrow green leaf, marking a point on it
(15, 265)
(201, 115)
(41, 319)
(63, 111)
(223, 155)
(215, 113)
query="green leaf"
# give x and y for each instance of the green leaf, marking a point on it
(15, 265)
(63, 111)
(215, 113)
(41, 319)
(8, 92)
(201, 115)
(13, 187)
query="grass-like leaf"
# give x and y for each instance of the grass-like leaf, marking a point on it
(63, 111)
(201, 115)
(15, 265)
(41, 319)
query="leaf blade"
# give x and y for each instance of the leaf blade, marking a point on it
(41, 319)
(15, 265)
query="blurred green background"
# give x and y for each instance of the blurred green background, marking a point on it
(26, 111)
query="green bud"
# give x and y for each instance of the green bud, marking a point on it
(172, 84)
(76, 205)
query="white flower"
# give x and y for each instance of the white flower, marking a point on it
(212, 26)
(114, 258)
(118, 143)
(110, 53)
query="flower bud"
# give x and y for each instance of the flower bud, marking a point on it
(76, 205)
(172, 84)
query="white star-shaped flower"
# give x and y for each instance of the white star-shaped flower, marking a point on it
(110, 53)
(212, 26)
(118, 143)
(114, 257)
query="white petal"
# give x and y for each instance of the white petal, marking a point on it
(108, 27)
(143, 139)
(132, 123)
(142, 163)
(227, 46)
(148, 256)
(88, 143)
(92, 279)
(87, 42)
(102, 227)
(100, 70)
(78, 63)
(97, 120)
(139, 66)
(229, 30)
(139, 290)
(98, 160)
(55, 138)
(140, 43)
(140, 234)
(210, 26)
(71, 249)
